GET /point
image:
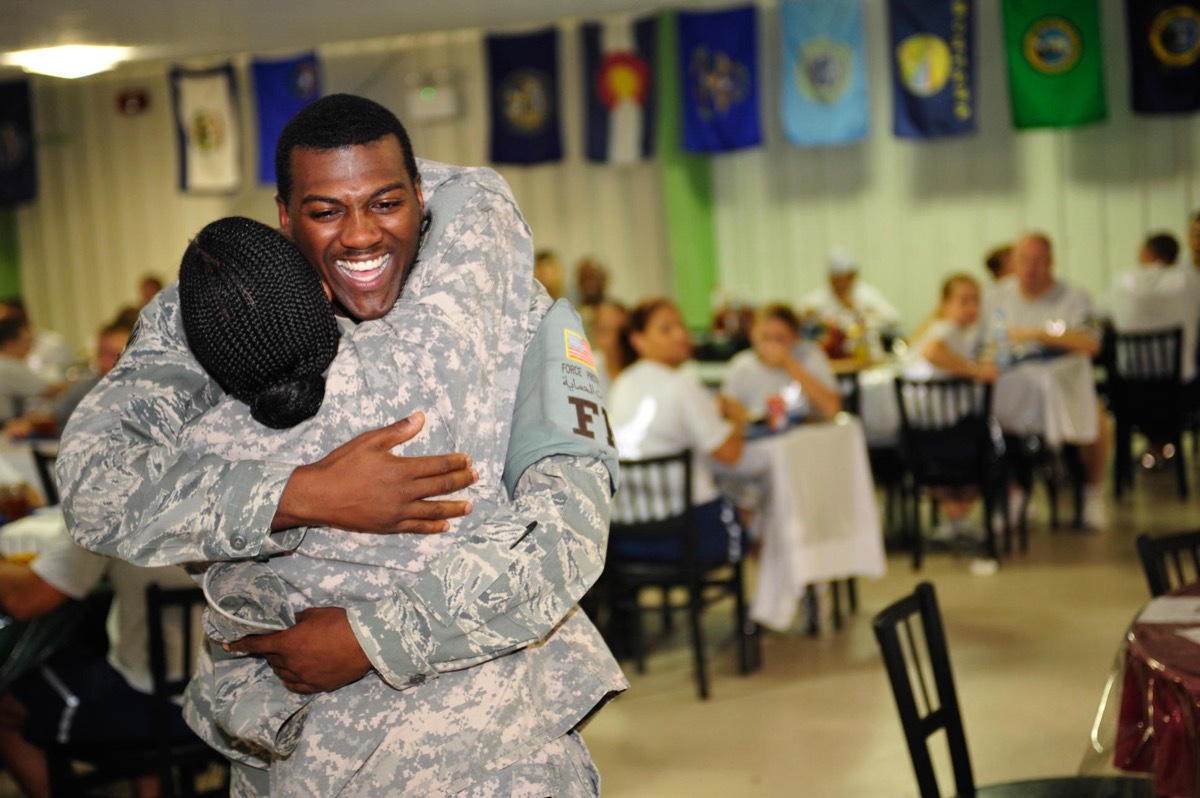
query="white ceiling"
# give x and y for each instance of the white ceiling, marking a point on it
(173, 29)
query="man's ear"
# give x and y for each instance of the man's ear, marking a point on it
(285, 221)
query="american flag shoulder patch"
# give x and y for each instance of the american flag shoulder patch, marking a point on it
(578, 349)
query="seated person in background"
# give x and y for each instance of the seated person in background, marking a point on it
(1194, 239)
(657, 408)
(49, 355)
(999, 262)
(19, 383)
(608, 327)
(591, 285)
(81, 696)
(548, 270)
(781, 364)
(109, 343)
(1045, 315)
(950, 344)
(949, 347)
(848, 303)
(1157, 296)
(148, 288)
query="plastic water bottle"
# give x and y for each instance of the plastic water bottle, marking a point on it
(1001, 351)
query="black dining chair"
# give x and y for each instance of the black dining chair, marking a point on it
(1145, 393)
(913, 643)
(1169, 561)
(186, 766)
(947, 440)
(44, 460)
(654, 505)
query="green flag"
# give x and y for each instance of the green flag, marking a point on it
(1055, 62)
(10, 272)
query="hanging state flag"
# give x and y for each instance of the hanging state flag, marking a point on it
(824, 83)
(206, 125)
(620, 89)
(933, 67)
(523, 73)
(18, 166)
(1164, 55)
(1055, 62)
(718, 64)
(281, 88)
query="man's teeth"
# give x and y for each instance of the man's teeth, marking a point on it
(362, 265)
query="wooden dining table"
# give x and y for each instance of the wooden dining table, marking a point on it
(1158, 725)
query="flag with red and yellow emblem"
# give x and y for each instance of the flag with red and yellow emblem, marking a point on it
(619, 87)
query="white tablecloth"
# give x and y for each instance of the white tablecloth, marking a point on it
(1053, 398)
(822, 523)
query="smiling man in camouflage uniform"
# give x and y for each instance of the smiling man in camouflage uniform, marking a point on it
(448, 706)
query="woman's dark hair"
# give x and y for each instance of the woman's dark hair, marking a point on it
(257, 319)
(639, 318)
(783, 312)
(332, 123)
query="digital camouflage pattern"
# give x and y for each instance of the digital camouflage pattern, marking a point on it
(433, 613)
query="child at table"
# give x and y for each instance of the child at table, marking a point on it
(947, 347)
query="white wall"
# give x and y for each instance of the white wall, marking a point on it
(109, 209)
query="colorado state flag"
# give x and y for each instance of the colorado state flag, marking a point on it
(1164, 48)
(523, 73)
(933, 67)
(824, 72)
(281, 89)
(718, 68)
(619, 88)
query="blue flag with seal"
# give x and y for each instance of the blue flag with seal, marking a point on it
(281, 89)
(619, 89)
(523, 76)
(824, 83)
(718, 66)
(18, 166)
(1164, 50)
(933, 67)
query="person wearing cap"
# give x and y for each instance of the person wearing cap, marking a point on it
(847, 301)
(371, 220)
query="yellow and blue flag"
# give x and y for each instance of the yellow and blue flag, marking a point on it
(718, 66)
(933, 67)
(824, 84)
(207, 129)
(523, 76)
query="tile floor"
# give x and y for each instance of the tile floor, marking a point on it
(1032, 647)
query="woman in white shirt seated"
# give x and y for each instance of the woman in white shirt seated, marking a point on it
(781, 364)
(656, 408)
(949, 346)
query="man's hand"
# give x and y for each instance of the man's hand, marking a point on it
(363, 487)
(317, 655)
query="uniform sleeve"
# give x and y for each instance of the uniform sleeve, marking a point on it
(130, 491)
(516, 576)
(507, 586)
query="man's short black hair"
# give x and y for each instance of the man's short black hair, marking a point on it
(11, 328)
(334, 122)
(1164, 247)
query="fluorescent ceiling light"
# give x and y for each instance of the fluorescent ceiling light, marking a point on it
(69, 61)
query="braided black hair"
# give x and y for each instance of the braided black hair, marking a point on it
(257, 319)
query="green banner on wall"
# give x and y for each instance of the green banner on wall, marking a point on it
(10, 271)
(687, 192)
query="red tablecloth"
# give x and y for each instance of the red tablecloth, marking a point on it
(1157, 730)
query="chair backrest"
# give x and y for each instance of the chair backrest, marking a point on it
(914, 650)
(944, 420)
(170, 671)
(851, 393)
(654, 489)
(44, 460)
(1152, 356)
(1170, 561)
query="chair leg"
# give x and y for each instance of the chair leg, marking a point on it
(747, 630)
(835, 589)
(852, 593)
(1180, 467)
(814, 611)
(695, 610)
